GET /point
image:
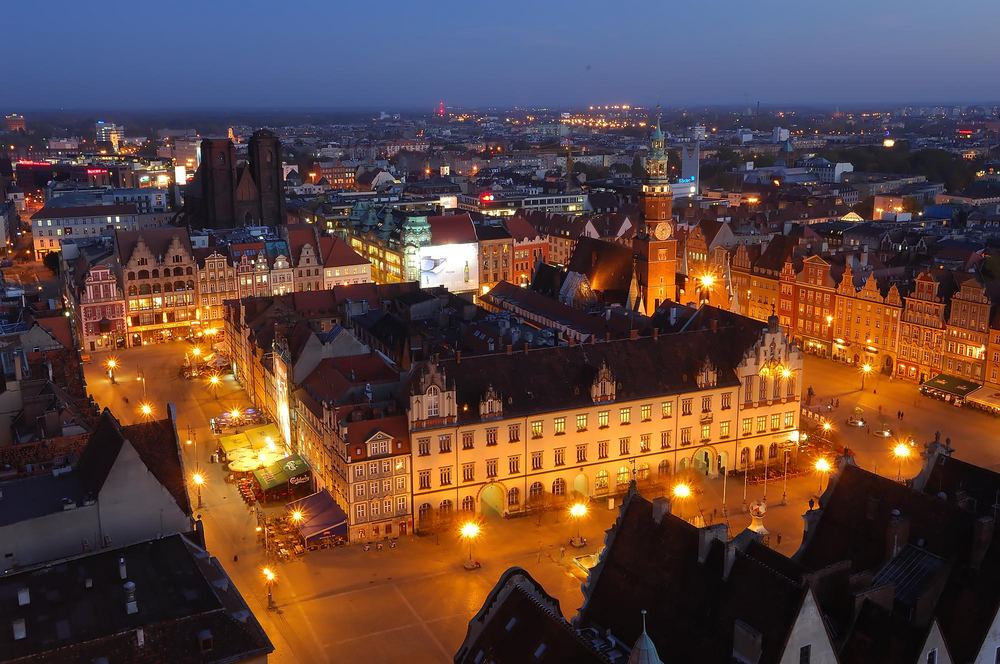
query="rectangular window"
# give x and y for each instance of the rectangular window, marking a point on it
(467, 440)
(514, 465)
(667, 409)
(536, 460)
(762, 391)
(491, 468)
(761, 423)
(359, 490)
(425, 479)
(805, 655)
(445, 475)
(748, 389)
(581, 453)
(581, 422)
(644, 442)
(559, 424)
(401, 505)
(706, 404)
(931, 657)
(623, 446)
(424, 446)
(514, 433)
(775, 421)
(536, 429)
(665, 442)
(625, 415)
(602, 449)
(360, 512)
(468, 472)
(602, 419)
(789, 419)
(727, 400)
(686, 436)
(706, 432)
(686, 406)
(491, 436)
(559, 454)
(724, 429)
(444, 443)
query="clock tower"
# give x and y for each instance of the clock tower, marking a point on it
(654, 244)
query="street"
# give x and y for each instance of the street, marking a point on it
(414, 602)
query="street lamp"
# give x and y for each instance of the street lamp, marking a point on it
(578, 511)
(470, 531)
(705, 283)
(681, 492)
(865, 370)
(198, 480)
(235, 413)
(214, 381)
(822, 467)
(112, 364)
(146, 409)
(269, 579)
(901, 451)
(297, 516)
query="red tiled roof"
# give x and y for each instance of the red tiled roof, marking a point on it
(59, 328)
(334, 376)
(84, 211)
(396, 426)
(334, 252)
(521, 229)
(452, 229)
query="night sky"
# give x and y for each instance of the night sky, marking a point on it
(408, 55)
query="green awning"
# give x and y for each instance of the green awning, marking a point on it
(953, 385)
(282, 472)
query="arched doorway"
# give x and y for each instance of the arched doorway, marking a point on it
(887, 366)
(580, 486)
(491, 501)
(723, 462)
(683, 464)
(703, 462)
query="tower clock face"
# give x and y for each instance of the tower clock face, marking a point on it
(662, 231)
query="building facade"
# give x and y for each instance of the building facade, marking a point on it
(967, 330)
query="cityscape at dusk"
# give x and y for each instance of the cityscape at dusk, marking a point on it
(645, 333)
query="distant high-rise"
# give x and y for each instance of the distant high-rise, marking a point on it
(109, 132)
(225, 194)
(14, 122)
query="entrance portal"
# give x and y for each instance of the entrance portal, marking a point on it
(491, 501)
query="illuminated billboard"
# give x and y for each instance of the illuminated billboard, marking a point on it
(454, 266)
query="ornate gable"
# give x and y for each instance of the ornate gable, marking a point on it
(603, 388)
(490, 405)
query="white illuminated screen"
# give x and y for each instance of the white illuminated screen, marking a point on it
(454, 266)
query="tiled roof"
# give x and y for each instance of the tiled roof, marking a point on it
(520, 229)
(157, 239)
(608, 267)
(333, 377)
(334, 252)
(452, 229)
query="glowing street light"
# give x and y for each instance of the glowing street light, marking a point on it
(469, 531)
(902, 452)
(111, 364)
(235, 413)
(827, 427)
(865, 370)
(146, 409)
(577, 511)
(198, 479)
(269, 578)
(822, 467)
(681, 492)
(297, 516)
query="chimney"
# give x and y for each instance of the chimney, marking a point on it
(140, 637)
(707, 535)
(458, 357)
(526, 346)
(713, 325)
(982, 536)
(131, 606)
(633, 334)
(656, 333)
(661, 506)
(122, 574)
(607, 336)
(510, 349)
(897, 534)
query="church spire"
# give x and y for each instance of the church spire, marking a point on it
(644, 650)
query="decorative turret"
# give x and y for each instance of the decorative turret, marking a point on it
(603, 389)
(644, 650)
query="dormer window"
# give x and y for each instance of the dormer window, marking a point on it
(433, 402)
(603, 389)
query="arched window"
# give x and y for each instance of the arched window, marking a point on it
(144, 274)
(433, 401)
(156, 274)
(189, 271)
(663, 469)
(445, 506)
(131, 276)
(156, 289)
(536, 489)
(744, 457)
(178, 271)
(559, 487)
(178, 285)
(622, 478)
(468, 503)
(132, 290)
(643, 471)
(190, 284)
(601, 481)
(168, 287)
(514, 497)
(772, 451)
(758, 453)
(424, 511)
(144, 289)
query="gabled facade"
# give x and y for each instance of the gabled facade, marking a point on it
(867, 323)
(921, 331)
(967, 331)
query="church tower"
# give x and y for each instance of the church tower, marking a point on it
(264, 152)
(654, 245)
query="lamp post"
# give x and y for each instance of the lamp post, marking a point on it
(146, 409)
(681, 492)
(822, 467)
(269, 578)
(112, 364)
(746, 472)
(470, 531)
(198, 479)
(214, 382)
(725, 479)
(784, 481)
(865, 370)
(577, 511)
(901, 451)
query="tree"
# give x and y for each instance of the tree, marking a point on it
(51, 261)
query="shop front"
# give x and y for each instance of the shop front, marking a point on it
(951, 389)
(286, 479)
(986, 398)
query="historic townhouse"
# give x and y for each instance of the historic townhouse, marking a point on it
(158, 267)
(815, 296)
(968, 330)
(216, 284)
(499, 435)
(97, 300)
(921, 335)
(867, 323)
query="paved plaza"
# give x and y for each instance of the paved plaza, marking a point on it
(414, 602)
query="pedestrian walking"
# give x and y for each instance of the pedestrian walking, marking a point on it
(900, 415)
(777, 536)
(874, 390)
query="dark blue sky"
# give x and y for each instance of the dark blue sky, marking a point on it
(399, 54)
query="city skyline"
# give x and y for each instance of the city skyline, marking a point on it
(409, 57)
